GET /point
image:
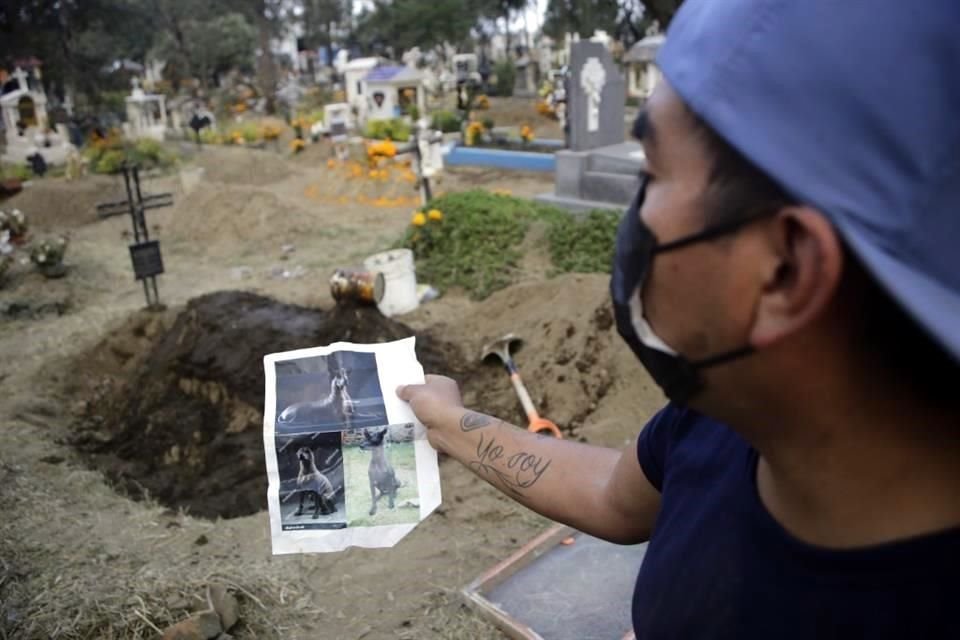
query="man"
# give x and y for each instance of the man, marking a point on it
(788, 274)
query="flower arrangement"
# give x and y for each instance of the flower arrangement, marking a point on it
(482, 103)
(426, 227)
(271, 132)
(14, 222)
(544, 109)
(48, 256)
(382, 150)
(473, 133)
(526, 134)
(297, 145)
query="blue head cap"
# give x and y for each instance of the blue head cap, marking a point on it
(854, 108)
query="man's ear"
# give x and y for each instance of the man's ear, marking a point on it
(800, 275)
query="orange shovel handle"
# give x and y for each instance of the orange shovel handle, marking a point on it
(542, 424)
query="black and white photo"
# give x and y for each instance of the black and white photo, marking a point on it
(310, 468)
(329, 393)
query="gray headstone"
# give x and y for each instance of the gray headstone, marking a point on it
(596, 97)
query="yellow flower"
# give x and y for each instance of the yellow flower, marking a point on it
(435, 214)
(419, 219)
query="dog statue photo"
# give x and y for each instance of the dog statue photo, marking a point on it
(311, 481)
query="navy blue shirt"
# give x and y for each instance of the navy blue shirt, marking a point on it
(719, 566)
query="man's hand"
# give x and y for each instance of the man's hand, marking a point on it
(436, 403)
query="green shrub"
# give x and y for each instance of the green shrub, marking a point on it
(21, 172)
(487, 123)
(476, 244)
(110, 161)
(446, 121)
(506, 74)
(395, 129)
(584, 244)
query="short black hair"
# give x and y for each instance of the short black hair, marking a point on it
(887, 332)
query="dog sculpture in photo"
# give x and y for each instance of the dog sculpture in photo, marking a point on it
(311, 481)
(337, 406)
(383, 479)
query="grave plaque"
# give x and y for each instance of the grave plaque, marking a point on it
(597, 98)
(146, 258)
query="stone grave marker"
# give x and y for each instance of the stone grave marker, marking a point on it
(597, 97)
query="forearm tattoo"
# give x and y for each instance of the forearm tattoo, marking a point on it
(515, 472)
(472, 420)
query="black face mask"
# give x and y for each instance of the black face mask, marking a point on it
(636, 248)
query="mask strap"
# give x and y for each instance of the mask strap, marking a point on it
(722, 358)
(712, 232)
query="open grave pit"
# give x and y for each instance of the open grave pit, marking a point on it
(171, 406)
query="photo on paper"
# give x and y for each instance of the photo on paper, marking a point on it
(310, 470)
(329, 393)
(347, 465)
(380, 476)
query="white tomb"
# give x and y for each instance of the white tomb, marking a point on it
(642, 72)
(146, 114)
(23, 104)
(390, 90)
(353, 74)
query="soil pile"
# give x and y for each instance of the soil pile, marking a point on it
(180, 418)
(243, 166)
(225, 216)
(53, 204)
(572, 360)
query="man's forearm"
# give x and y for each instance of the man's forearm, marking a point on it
(562, 480)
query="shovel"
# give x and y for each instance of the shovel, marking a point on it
(501, 349)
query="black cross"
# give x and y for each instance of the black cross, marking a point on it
(144, 253)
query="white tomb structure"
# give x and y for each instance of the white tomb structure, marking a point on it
(642, 72)
(390, 90)
(24, 107)
(354, 72)
(146, 114)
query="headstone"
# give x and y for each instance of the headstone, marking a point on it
(596, 99)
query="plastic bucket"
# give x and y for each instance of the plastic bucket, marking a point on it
(400, 281)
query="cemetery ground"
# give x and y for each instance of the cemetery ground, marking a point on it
(131, 467)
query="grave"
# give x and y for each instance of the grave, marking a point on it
(146, 114)
(23, 104)
(642, 72)
(600, 169)
(391, 91)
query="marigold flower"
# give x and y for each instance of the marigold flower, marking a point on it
(435, 214)
(419, 219)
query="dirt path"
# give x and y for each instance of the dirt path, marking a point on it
(79, 560)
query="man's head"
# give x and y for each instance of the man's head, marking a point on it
(850, 186)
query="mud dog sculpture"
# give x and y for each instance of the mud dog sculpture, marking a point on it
(310, 480)
(383, 479)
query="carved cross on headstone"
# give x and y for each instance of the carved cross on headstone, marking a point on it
(21, 77)
(592, 79)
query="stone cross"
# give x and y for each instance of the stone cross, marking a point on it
(21, 77)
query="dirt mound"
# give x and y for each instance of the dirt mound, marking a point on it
(53, 204)
(228, 215)
(177, 410)
(571, 355)
(250, 167)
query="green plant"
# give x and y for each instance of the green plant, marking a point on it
(446, 121)
(584, 244)
(506, 74)
(19, 171)
(487, 124)
(110, 161)
(395, 129)
(474, 243)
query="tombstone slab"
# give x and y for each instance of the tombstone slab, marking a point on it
(596, 98)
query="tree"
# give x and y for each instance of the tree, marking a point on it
(580, 16)
(205, 48)
(322, 22)
(403, 24)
